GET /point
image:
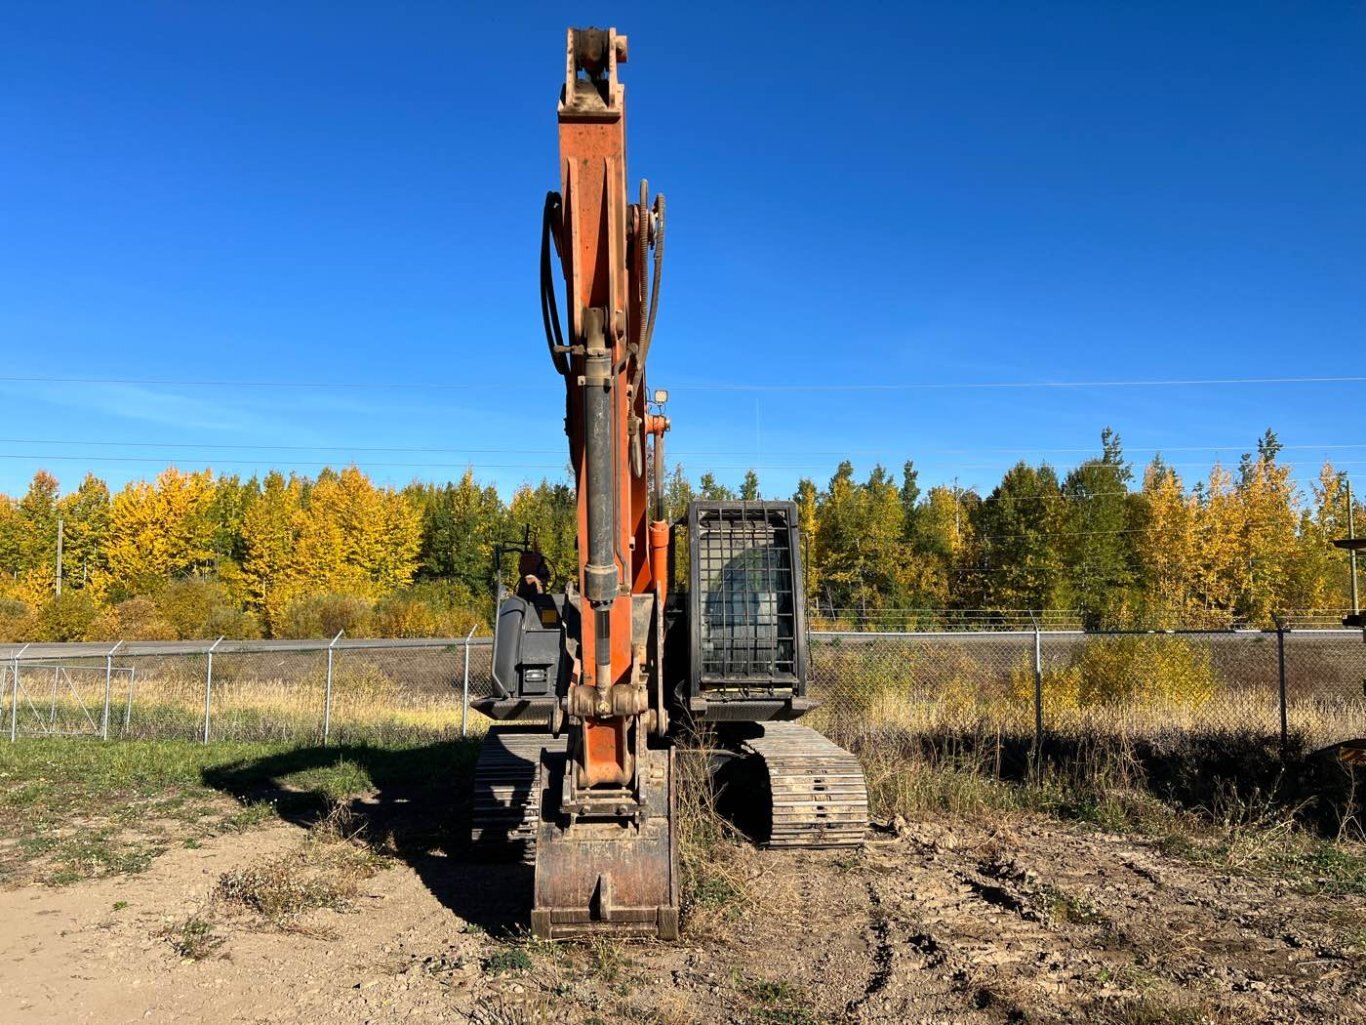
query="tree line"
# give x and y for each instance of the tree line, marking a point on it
(194, 554)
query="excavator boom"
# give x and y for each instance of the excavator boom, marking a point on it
(605, 852)
(579, 774)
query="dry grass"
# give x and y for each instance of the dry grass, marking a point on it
(1321, 720)
(324, 872)
(194, 938)
(1224, 800)
(170, 704)
(711, 851)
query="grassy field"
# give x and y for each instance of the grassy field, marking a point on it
(75, 809)
(1144, 735)
(1141, 687)
(956, 808)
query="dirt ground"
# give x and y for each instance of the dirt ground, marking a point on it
(936, 922)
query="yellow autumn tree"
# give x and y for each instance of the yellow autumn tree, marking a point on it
(270, 528)
(357, 539)
(156, 532)
(1222, 560)
(1320, 579)
(806, 498)
(1269, 520)
(1167, 548)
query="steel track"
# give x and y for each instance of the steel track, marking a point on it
(820, 798)
(505, 817)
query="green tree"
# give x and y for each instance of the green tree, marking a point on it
(11, 543)
(85, 521)
(1017, 562)
(1096, 544)
(862, 559)
(227, 512)
(551, 512)
(678, 496)
(460, 525)
(38, 511)
(910, 500)
(712, 491)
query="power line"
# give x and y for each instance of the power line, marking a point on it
(243, 446)
(195, 445)
(456, 464)
(975, 385)
(703, 386)
(342, 450)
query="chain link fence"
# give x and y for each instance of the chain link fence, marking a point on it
(305, 692)
(1308, 684)
(1303, 683)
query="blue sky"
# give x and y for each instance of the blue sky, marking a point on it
(873, 213)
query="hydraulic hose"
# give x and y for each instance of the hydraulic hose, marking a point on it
(647, 333)
(550, 312)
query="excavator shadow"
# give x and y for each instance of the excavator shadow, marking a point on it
(419, 808)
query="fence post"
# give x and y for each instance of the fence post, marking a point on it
(1281, 630)
(14, 699)
(208, 688)
(128, 708)
(1038, 698)
(465, 689)
(108, 686)
(327, 697)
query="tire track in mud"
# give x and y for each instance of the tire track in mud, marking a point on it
(883, 952)
(1073, 925)
(916, 977)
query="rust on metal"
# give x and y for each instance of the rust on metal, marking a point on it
(608, 875)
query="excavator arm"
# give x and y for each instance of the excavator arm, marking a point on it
(578, 773)
(605, 850)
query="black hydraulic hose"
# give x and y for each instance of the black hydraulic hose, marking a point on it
(550, 312)
(654, 283)
(648, 332)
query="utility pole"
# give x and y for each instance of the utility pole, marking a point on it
(1352, 543)
(60, 532)
(1351, 551)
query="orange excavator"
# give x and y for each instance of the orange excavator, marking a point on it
(578, 775)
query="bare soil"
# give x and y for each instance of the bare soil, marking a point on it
(1030, 920)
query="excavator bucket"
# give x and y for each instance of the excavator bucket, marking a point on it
(613, 876)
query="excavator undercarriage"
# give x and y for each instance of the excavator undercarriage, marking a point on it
(593, 685)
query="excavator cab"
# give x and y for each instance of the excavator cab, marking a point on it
(743, 674)
(747, 643)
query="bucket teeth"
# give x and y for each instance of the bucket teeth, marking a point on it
(819, 797)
